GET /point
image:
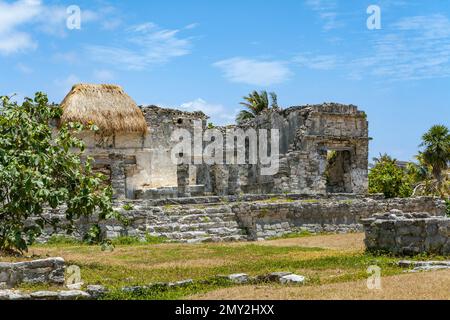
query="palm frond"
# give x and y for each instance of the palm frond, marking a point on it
(243, 116)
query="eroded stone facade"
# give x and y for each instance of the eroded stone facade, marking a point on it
(323, 149)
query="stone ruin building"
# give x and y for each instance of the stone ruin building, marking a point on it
(321, 184)
(323, 148)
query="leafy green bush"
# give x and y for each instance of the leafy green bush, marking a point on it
(387, 178)
(94, 235)
(41, 167)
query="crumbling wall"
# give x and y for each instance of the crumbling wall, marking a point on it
(263, 220)
(408, 233)
(307, 134)
(327, 127)
(46, 271)
(152, 166)
(246, 217)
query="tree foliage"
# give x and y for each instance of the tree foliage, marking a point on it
(436, 153)
(42, 168)
(256, 103)
(428, 177)
(388, 178)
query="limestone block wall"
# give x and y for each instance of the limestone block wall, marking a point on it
(408, 233)
(49, 271)
(263, 220)
(248, 217)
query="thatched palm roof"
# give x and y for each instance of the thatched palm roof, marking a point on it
(106, 106)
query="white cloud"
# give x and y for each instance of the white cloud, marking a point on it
(109, 17)
(49, 19)
(254, 72)
(319, 62)
(218, 113)
(12, 16)
(191, 26)
(147, 45)
(327, 12)
(415, 48)
(16, 42)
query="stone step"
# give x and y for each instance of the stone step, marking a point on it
(192, 227)
(194, 211)
(201, 235)
(230, 238)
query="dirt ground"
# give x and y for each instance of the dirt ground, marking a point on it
(414, 286)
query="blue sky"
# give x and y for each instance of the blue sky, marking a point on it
(202, 54)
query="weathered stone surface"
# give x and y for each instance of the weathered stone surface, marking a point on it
(39, 271)
(407, 234)
(239, 278)
(292, 278)
(44, 295)
(182, 283)
(96, 291)
(134, 289)
(418, 266)
(73, 295)
(13, 295)
(274, 276)
(75, 286)
(257, 217)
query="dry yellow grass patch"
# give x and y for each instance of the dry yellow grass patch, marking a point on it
(417, 286)
(348, 242)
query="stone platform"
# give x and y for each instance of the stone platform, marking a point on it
(250, 217)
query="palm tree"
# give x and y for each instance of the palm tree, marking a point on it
(256, 103)
(436, 153)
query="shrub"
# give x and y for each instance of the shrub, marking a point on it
(41, 168)
(387, 178)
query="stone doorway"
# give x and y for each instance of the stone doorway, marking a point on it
(338, 171)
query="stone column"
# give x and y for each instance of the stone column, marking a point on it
(118, 177)
(183, 180)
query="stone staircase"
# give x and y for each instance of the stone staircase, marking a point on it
(185, 223)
